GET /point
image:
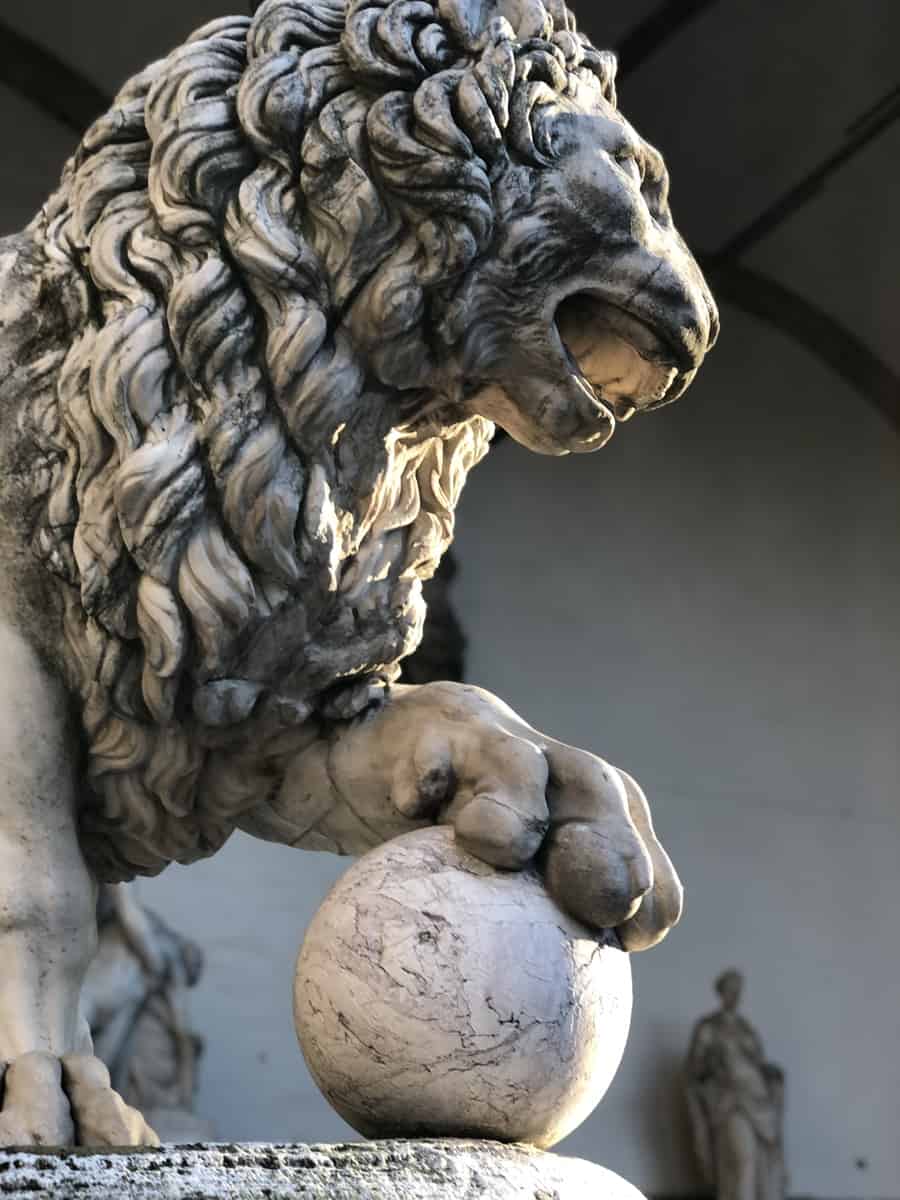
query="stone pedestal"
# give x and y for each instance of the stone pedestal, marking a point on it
(439, 1170)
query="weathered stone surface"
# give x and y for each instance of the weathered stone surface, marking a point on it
(369, 1171)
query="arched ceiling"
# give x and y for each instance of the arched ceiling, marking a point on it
(778, 123)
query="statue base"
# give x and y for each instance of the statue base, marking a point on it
(389, 1170)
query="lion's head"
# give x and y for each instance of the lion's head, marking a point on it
(551, 291)
(318, 252)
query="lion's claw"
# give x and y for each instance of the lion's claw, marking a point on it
(35, 1109)
(593, 880)
(609, 871)
(102, 1118)
(53, 1102)
(491, 829)
(661, 907)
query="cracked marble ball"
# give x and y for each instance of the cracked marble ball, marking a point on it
(436, 996)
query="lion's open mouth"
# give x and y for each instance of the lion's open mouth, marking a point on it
(623, 362)
(590, 362)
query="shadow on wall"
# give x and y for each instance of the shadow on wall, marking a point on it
(441, 653)
(670, 1108)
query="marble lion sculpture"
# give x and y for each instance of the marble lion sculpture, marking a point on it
(249, 351)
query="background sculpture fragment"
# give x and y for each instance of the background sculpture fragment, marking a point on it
(247, 362)
(736, 1102)
(136, 1004)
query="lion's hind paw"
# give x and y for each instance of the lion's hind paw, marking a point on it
(49, 1101)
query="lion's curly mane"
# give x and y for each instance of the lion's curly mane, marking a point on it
(243, 475)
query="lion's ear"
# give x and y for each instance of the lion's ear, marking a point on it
(469, 19)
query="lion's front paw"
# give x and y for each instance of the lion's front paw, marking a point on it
(458, 755)
(453, 754)
(66, 1102)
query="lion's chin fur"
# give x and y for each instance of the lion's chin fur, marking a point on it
(288, 670)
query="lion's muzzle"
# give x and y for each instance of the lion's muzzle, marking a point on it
(602, 352)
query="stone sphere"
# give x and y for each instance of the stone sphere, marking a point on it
(436, 996)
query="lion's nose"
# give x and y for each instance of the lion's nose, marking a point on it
(693, 319)
(679, 293)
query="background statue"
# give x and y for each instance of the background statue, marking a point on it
(135, 1001)
(249, 352)
(736, 1102)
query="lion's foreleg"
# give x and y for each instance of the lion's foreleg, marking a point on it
(47, 896)
(314, 810)
(52, 1091)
